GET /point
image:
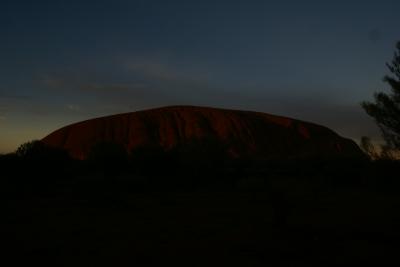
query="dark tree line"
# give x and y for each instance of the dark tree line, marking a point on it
(196, 155)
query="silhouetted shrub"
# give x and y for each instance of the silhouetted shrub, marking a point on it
(204, 154)
(35, 167)
(202, 162)
(151, 160)
(8, 163)
(188, 164)
(367, 146)
(388, 153)
(37, 151)
(108, 156)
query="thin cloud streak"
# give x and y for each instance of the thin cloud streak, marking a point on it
(74, 108)
(8, 96)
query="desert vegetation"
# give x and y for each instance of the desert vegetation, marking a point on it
(148, 203)
(385, 110)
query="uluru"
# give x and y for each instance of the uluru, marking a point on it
(242, 134)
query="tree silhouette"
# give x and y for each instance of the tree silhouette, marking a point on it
(382, 152)
(202, 155)
(387, 153)
(386, 107)
(30, 149)
(150, 159)
(108, 156)
(38, 151)
(367, 146)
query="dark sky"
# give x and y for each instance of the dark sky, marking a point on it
(65, 61)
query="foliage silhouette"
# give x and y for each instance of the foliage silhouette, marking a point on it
(31, 149)
(386, 107)
(203, 154)
(38, 151)
(151, 160)
(108, 157)
(387, 153)
(367, 146)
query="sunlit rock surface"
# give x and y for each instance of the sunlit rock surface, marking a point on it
(242, 134)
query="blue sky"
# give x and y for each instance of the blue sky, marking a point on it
(65, 61)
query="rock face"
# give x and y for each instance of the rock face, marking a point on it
(242, 134)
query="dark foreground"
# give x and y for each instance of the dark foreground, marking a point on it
(342, 216)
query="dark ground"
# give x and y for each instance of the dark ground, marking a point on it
(341, 216)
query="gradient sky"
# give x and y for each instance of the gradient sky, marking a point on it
(66, 61)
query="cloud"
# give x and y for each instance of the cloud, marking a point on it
(135, 77)
(159, 71)
(73, 107)
(112, 87)
(137, 83)
(53, 81)
(154, 70)
(4, 95)
(90, 85)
